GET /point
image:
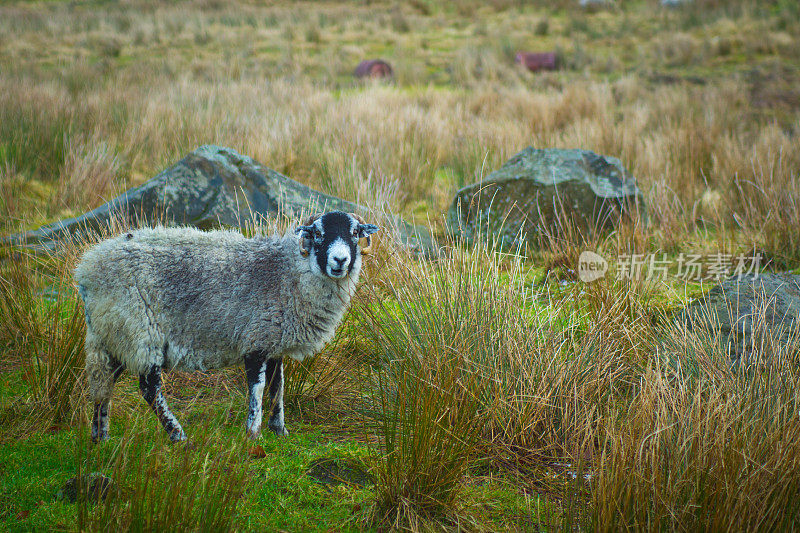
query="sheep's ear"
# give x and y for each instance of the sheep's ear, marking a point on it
(306, 229)
(365, 230)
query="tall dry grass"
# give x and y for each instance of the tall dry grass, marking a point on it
(473, 364)
(43, 331)
(132, 112)
(382, 145)
(701, 446)
(769, 208)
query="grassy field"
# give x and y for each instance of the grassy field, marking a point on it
(482, 391)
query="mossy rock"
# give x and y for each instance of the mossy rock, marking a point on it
(334, 471)
(94, 486)
(754, 314)
(210, 187)
(530, 196)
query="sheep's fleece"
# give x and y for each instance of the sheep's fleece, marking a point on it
(186, 299)
(191, 300)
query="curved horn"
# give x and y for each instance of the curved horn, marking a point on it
(366, 250)
(313, 218)
(303, 251)
(309, 221)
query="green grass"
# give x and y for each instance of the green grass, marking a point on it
(277, 492)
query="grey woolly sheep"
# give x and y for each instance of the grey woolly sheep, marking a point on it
(165, 298)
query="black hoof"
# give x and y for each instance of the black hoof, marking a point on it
(279, 431)
(177, 436)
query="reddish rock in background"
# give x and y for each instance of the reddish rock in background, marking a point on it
(535, 61)
(373, 68)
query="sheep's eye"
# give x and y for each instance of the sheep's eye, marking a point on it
(355, 232)
(317, 233)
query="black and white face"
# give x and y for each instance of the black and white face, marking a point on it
(332, 243)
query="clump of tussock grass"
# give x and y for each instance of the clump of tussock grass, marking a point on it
(423, 387)
(701, 444)
(768, 209)
(468, 361)
(43, 330)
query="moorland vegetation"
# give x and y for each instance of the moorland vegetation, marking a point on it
(483, 390)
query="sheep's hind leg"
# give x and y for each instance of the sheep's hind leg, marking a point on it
(100, 419)
(150, 386)
(274, 374)
(102, 371)
(255, 366)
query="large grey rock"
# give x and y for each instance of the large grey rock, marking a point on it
(596, 4)
(754, 313)
(525, 197)
(211, 186)
(675, 3)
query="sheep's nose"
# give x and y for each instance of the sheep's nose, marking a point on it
(339, 260)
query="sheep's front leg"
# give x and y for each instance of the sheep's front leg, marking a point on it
(150, 386)
(260, 370)
(275, 376)
(255, 365)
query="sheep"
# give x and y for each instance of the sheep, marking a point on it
(180, 298)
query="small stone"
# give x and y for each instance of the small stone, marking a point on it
(675, 3)
(536, 61)
(592, 5)
(374, 69)
(94, 486)
(335, 471)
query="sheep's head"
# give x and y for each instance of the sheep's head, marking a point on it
(330, 241)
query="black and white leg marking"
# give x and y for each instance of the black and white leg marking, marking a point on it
(150, 386)
(262, 372)
(274, 374)
(100, 420)
(254, 366)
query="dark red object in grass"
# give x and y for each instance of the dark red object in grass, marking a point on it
(258, 452)
(535, 61)
(373, 68)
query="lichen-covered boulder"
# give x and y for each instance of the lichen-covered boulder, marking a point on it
(211, 186)
(753, 313)
(528, 196)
